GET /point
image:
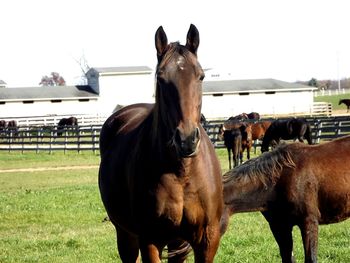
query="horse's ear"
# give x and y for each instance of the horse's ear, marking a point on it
(192, 41)
(161, 42)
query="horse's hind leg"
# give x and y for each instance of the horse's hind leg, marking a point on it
(283, 236)
(128, 246)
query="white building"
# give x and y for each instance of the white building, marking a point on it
(120, 86)
(111, 87)
(226, 98)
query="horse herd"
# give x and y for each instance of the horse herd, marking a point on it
(10, 128)
(239, 134)
(161, 184)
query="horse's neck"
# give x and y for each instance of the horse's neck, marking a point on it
(247, 195)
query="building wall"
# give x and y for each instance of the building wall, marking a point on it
(124, 90)
(42, 108)
(266, 104)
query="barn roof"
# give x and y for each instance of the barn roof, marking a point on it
(2, 83)
(252, 86)
(105, 71)
(47, 93)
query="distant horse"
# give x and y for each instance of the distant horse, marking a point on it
(295, 184)
(291, 129)
(159, 177)
(3, 125)
(259, 129)
(12, 128)
(346, 102)
(239, 117)
(253, 116)
(233, 143)
(70, 122)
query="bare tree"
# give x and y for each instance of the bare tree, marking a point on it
(54, 80)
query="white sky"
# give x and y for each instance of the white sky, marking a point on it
(286, 40)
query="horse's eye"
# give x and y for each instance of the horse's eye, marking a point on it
(201, 78)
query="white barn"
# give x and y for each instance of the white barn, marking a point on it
(225, 98)
(120, 86)
(110, 87)
(107, 88)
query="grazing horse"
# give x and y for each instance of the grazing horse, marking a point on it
(346, 102)
(293, 185)
(291, 129)
(233, 142)
(159, 176)
(70, 122)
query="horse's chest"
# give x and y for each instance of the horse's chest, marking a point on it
(174, 203)
(169, 197)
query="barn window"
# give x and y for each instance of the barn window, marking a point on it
(56, 101)
(218, 94)
(83, 100)
(270, 92)
(28, 101)
(2, 102)
(243, 93)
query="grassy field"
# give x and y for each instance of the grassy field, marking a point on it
(334, 99)
(57, 216)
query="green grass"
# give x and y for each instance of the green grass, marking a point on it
(334, 99)
(57, 216)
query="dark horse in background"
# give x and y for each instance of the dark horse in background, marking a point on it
(233, 143)
(293, 185)
(346, 102)
(290, 129)
(237, 136)
(66, 123)
(159, 177)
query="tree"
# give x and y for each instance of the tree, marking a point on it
(54, 80)
(313, 82)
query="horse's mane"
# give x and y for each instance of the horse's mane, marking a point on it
(266, 168)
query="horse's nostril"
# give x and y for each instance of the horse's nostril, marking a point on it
(196, 135)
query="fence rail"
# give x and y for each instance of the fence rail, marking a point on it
(86, 137)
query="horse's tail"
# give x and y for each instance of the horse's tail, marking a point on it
(178, 249)
(307, 134)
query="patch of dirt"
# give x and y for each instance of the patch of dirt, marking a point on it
(40, 169)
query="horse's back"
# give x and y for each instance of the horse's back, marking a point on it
(122, 122)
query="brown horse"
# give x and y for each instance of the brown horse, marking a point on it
(159, 177)
(293, 185)
(259, 129)
(346, 102)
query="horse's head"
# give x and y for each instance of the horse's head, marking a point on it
(179, 90)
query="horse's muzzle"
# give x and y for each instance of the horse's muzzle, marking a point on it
(187, 145)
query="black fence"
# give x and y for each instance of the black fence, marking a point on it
(86, 137)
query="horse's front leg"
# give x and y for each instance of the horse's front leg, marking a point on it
(128, 246)
(309, 233)
(283, 236)
(150, 253)
(204, 252)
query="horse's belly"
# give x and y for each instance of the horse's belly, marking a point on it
(335, 209)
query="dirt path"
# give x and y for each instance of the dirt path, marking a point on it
(40, 169)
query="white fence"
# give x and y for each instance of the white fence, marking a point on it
(331, 92)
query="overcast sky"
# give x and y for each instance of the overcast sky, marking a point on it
(285, 40)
